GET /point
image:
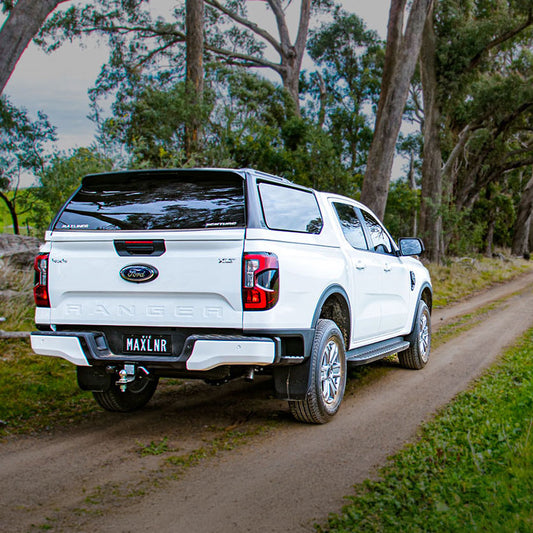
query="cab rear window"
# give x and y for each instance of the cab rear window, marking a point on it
(156, 201)
(290, 209)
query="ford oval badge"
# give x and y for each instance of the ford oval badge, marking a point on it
(139, 273)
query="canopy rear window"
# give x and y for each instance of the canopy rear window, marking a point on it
(156, 201)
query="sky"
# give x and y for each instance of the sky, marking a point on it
(57, 83)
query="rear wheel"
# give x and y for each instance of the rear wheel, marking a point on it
(417, 355)
(136, 396)
(327, 377)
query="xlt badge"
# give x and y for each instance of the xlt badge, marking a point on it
(139, 273)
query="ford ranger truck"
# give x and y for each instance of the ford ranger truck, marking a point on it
(219, 274)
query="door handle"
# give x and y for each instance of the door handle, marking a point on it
(387, 267)
(360, 265)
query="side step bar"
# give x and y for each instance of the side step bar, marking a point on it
(367, 354)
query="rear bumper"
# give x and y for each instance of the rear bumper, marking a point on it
(199, 353)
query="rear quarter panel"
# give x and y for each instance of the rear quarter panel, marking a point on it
(308, 265)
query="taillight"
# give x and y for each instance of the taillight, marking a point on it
(40, 287)
(260, 284)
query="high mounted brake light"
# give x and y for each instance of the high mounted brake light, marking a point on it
(40, 287)
(260, 290)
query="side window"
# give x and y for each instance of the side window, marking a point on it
(380, 240)
(290, 209)
(351, 226)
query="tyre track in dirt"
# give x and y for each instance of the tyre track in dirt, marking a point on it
(281, 481)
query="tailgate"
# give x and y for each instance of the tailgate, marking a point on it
(198, 281)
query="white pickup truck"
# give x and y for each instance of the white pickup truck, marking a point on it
(221, 273)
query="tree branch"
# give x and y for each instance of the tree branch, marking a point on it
(303, 27)
(251, 60)
(458, 148)
(244, 22)
(281, 22)
(499, 40)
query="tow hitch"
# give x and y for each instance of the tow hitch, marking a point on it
(128, 375)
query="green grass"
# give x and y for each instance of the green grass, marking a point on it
(471, 470)
(37, 392)
(6, 223)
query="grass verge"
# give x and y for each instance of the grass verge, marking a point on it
(37, 392)
(471, 469)
(461, 278)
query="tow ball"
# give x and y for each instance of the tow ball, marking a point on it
(128, 375)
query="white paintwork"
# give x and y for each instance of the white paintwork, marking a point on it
(199, 281)
(68, 348)
(209, 354)
(199, 286)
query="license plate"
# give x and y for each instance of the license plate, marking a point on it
(147, 344)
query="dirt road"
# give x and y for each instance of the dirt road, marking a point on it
(167, 469)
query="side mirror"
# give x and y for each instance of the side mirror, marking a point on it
(411, 246)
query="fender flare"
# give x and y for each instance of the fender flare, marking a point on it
(332, 289)
(424, 286)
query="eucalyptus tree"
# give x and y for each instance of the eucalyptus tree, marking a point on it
(24, 19)
(139, 40)
(403, 47)
(477, 78)
(345, 87)
(21, 147)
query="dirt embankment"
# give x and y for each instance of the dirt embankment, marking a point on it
(204, 459)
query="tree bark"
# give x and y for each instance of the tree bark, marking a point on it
(522, 226)
(292, 54)
(195, 69)
(530, 240)
(400, 61)
(22, 24)
(412, 186)
(431, 194)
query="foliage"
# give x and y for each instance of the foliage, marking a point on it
(346, 87)
(22, 144)
(484, 76)
(247, 122)
(403, 205)
(471, 468)
(59, 179)
(142, 42)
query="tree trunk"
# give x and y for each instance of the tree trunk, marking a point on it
(431, 194)
(292, 54)
(489, 245)
(530, 240)
(12, 212)
(195, 70)
(522, 226)
(22, 24)
(400, 61)
(412, 186)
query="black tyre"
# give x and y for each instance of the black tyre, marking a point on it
(327, 376)
(417, 355)
(136, 396)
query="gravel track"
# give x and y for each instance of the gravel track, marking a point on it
(91, 477)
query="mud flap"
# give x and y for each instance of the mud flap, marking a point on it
(292, 382)
(93, 379)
